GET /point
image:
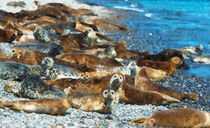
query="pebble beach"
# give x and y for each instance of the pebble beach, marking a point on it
(187, 81)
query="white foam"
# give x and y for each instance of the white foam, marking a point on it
(127, 8)
(148, 15)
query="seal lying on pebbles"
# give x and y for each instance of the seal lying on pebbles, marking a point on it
(34, 87)
(53, 71)
(99, 52)
(191, 50)
(95, 85)
(168, 66)
(200, 59)
(17, 71)
(143, 82)
(47, 48)
(93, 102)
(90, 61)
(30, 57)
(41, 106)
(179, 117)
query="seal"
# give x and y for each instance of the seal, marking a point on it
(94, 85)
(143, 82)
(30, 57)
(47, 48)
(34, 87)
(200, 59)
(191, 50)
(124, 92)
(90, 61)
(168, 66)
(178, 118)
(93, 102)
(155, 74)
(131, 95)
(99, 52)
(17, 71)
(53, 71)
(40, 106)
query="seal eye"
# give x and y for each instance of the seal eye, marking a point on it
(13, 51)
(112, 92)
(115, 76)
(121, 77)
(105, 93)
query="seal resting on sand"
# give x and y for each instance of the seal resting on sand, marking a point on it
(179, 117)
(41, 106)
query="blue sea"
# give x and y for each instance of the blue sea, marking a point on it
(169, 24)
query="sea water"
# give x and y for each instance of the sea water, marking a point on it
(169, 24)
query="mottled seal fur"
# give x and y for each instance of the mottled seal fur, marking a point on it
(17, 71)
(40, 106)
(179, 117)
(34, 87)
(53, 71)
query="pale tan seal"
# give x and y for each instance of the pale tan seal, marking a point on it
(179, 117)
(93, 102)
(41, 106)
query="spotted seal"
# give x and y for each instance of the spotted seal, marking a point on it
(179, 117)
(34, 87)
(17, 71)
(53, 71)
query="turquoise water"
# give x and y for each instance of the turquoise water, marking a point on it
(173, 24)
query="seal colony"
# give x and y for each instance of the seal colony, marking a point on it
(62, 60)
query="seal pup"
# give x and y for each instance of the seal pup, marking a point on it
(143, 82)
(17, 71)
(178, 118)
(40, 106)
(53, 71)
(93, 102)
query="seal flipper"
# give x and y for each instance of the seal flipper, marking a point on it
(140, 120)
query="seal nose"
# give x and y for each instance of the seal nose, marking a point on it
(114, 84)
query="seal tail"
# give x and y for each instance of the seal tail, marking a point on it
(140, 120)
